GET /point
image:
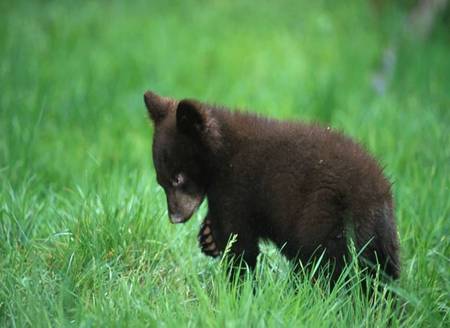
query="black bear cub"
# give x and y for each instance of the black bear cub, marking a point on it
(300, 186)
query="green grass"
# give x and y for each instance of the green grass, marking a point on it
(84, 234)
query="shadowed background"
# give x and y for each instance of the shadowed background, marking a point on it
(84, 233)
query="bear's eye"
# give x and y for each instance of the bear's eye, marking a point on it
(178, 180)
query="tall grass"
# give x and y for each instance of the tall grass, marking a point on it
(84, 235)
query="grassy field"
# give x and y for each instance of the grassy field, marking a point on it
(84, 234)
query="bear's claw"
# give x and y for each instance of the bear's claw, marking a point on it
(206, 240)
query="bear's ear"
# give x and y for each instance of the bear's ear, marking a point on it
(157, 106)
(197, 121)
(190, 117)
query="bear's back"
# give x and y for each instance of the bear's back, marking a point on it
(287, 163)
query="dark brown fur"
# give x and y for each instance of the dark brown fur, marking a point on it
(297, 185)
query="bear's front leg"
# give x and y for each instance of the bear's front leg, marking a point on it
(214, 236)
(208, 244)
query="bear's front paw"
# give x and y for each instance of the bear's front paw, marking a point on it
(206, 240)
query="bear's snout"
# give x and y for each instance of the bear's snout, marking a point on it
(181, 206)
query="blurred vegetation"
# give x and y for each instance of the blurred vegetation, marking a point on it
(84, 235)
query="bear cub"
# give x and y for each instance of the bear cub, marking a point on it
(306, 188)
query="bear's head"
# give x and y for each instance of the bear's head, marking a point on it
(185, 132)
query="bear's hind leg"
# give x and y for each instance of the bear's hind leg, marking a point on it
(376, 238)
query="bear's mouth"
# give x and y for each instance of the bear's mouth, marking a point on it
(176, 219)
